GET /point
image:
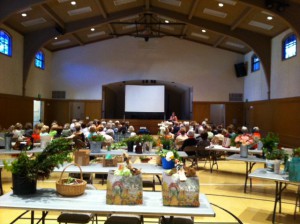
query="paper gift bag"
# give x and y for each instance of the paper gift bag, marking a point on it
(226, 142)
(82, 157)
(180, 193)
(124, 190)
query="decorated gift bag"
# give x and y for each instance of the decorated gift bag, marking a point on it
(124, 189)
(226, 142)
(180, 193)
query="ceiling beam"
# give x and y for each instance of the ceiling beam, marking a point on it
(243, 16)
(291, 13)
(53, 16)
(101, 8)
(193, 9)
(147, 5)
(35, 40)
(219, 41)
(8, 7)
(78, 39)
(184, 30)
(261, 44)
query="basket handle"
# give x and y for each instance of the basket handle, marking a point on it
(71, 164)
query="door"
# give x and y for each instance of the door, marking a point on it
(217, 114)
(77, 110)
(38, 112)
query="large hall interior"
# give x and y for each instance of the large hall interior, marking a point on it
(222, 62)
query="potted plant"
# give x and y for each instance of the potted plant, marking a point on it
(168, 157)
(147, 142)
(166, 142)
(26, 170)
(244, 141)
(96, 143)
(274, 158)
(130, 142)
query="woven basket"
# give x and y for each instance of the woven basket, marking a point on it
(70, 190)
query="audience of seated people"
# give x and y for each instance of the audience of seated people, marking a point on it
(183, 133)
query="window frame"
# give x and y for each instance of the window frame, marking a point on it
(9, 45)
(284, 46)
(40, 59)
(253, 63)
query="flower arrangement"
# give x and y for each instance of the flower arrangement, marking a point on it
(171, 154)
(97, 138)
(244, 139)
(166, 141)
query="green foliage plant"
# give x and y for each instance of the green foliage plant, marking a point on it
(42, 164)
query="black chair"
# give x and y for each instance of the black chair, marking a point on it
(83, 218)
(176, 220)
(124, 219)
(192, 155)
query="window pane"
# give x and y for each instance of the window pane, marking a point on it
(5, 43)
(290, 47)
(255, 63)
(40, 60)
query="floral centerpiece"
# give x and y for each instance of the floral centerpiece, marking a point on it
(244, 141)
(96, 143)
(166, 141)
(168, 158)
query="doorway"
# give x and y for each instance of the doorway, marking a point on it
(217, 114)
(77, 110)
(38, 112)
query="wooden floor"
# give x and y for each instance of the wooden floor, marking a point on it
(224, 189)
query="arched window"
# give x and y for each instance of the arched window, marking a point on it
(5, 43)
(255, 63)
(289, 47)
(40, 60)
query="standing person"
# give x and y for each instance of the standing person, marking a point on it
(173, 117)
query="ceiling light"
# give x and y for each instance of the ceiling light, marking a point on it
(24, 14)
(167, 21)
(92, 29)
(55, 38)
(203, 31)
(214, 13)
(220, 4)
(73, 3)
(269, 18)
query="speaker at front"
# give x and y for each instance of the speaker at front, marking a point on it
(240, 69)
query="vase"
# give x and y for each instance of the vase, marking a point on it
(130, 146)
(139, 148)
(147, 146)
(244, 151)
(7, 140)
(277, 163)
(167, 164)
(95, 146)
(270, 166)
(21, 185)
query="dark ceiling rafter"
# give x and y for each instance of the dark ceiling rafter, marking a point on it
(104, 14)
(35, 40)
(261, 44)
(193, 8)
(53, 16)
(219, 41)
(291, 13)
(8, 7)
(243, 16)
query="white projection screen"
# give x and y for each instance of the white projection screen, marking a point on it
(144, 98)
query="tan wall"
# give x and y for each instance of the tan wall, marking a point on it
(233, 112)
(279, 116)
(60, 110)
(15, 109)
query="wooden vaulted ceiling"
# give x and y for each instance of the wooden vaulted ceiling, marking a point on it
(239, 26)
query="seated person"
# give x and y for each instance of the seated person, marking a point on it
(204, 142)
(190, 141)
(173, 117)
(180, 138)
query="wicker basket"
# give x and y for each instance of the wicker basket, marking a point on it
(70, 190)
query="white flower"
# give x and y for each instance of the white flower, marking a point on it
(169, 156)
